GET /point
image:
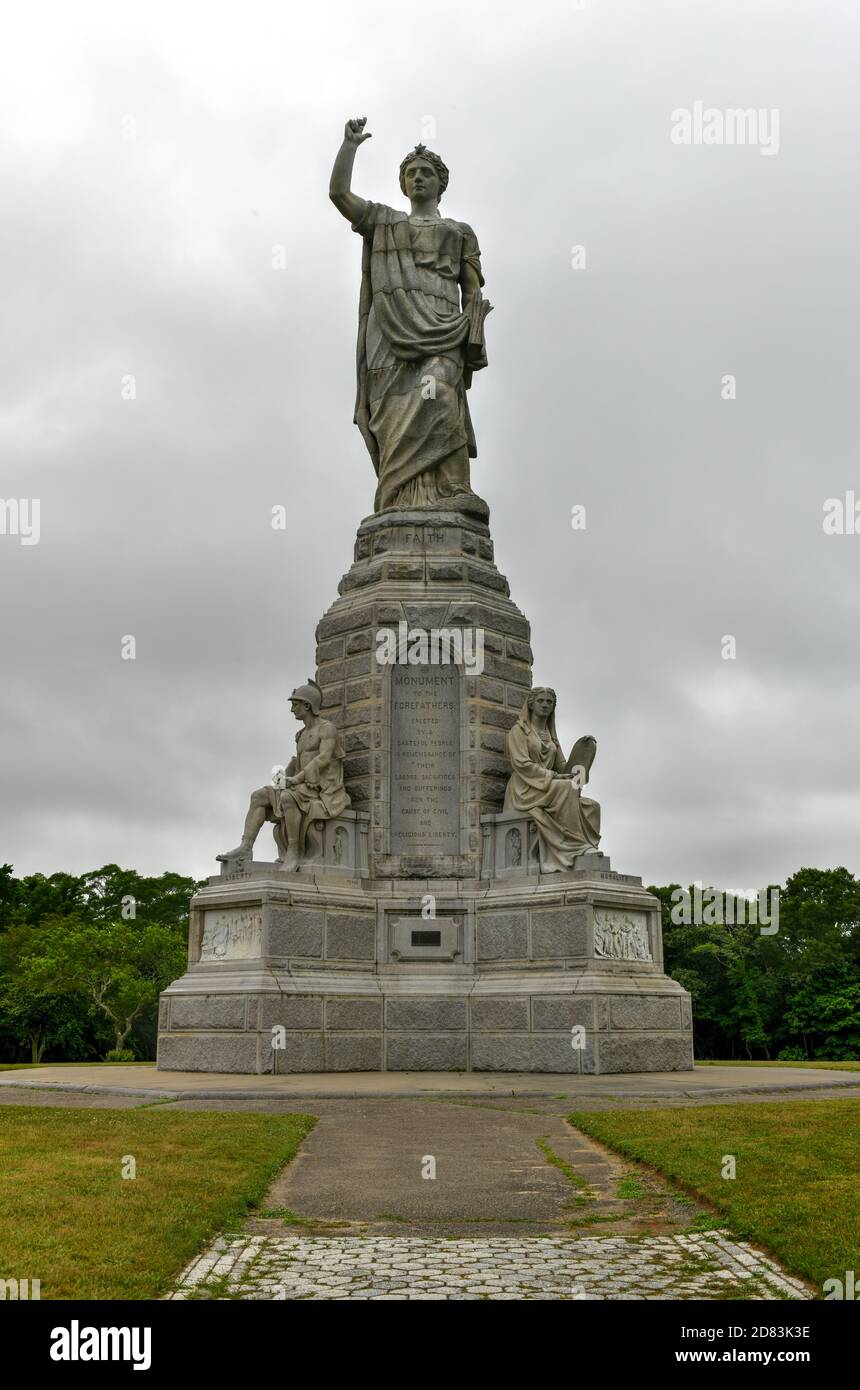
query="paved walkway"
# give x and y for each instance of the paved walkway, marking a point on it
(453, 1186)
(463, 1168)
(291, 1267)
(473, 1199)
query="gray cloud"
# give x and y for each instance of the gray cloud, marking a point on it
(153, 257)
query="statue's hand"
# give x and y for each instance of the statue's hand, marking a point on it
(353, 131)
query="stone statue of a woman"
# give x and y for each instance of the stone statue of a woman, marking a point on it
(546, 788)
(420, 334)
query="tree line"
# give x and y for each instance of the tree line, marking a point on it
(84, 958)
(788, 994)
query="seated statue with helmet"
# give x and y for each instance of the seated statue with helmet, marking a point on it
(309, 790)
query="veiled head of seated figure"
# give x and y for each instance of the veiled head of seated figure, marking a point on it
(541, 700)
(423, 174)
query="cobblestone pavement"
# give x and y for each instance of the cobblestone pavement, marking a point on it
(706, 1266)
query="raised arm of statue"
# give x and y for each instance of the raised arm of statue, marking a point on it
(339, 189)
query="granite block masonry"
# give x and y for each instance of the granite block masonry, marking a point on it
(430, 953)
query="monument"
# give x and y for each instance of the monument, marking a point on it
(438, 900)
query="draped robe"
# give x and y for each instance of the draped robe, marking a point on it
(411, 367)
(568, 824)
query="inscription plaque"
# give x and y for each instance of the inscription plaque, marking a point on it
(425, 760)
(406, 941)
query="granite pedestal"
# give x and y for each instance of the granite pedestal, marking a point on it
(433, 942)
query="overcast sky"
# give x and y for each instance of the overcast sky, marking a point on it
(152, 257)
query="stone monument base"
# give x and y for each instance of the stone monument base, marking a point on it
(314, 972)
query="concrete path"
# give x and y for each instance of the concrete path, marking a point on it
(449, 1186)
(434, 1168)
(472, 1199)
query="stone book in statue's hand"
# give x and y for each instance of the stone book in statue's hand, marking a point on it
(476, 351)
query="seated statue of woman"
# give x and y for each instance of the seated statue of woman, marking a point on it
(546, 788)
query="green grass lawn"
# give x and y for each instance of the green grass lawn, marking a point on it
(828, 1066)
(34, 1066)
(68, 1218)
(797, 1189)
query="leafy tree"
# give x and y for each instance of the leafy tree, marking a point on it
(793, 991)
(120, 967)
(81, 954)
(34, 897)
(825, 1011)
(35, 1006)
(111, 894)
